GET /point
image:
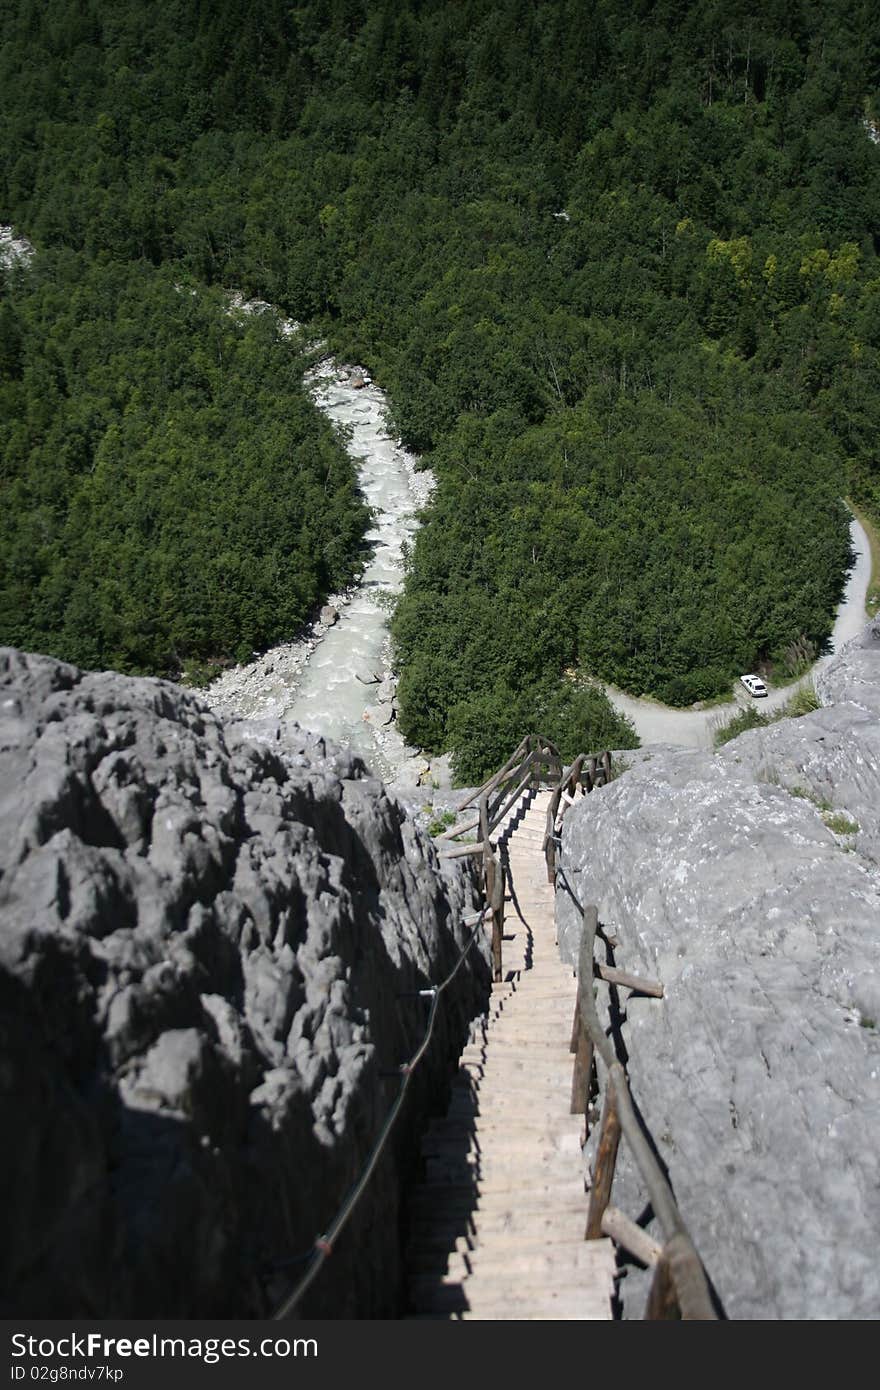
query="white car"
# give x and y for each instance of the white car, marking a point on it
(754, 685)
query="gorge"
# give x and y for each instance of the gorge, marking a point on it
(338, 681)
(611, 274)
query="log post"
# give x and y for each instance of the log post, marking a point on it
(683, 1292)
(582, 1046)
(550, 857)
(662, 1303)
(583, 1075)
(490, 873)
(603, 1168)
(634, 1239)
(497, 904)
(460, 851)
(624, 980)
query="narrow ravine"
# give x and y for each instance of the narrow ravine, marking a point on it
(336, 680)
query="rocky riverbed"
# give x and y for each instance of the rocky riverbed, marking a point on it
(336, 680)
(748, 881)
(14, 250)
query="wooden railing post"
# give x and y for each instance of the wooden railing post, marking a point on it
(496, 902)
(633, 1238)
(550, 855)
(603, 1168)
(491, 881)
(583, 1074)
(662, 1303)
(689, 1297)
(581, 1042)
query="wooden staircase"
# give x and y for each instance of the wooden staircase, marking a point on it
(497, 1225)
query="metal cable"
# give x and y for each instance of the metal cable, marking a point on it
(324, 1243)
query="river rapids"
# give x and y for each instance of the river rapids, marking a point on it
(336, 679)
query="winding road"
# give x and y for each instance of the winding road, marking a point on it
(693, 728)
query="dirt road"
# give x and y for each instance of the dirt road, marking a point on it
(690, 728)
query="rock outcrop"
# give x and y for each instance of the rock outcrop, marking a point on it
(211, 939)
(748, 882)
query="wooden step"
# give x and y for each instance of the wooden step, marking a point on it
(498, 1218)
(505, 1190)
(509, 1110)
(565, 1221)
(517, 1071)
(549, 1034)
(456, 1169)
(547, 1263)
(496, 1228)
(506, 1145)
(550, 1045)
(442, 1263)
(519, 1305)
(438, 1256)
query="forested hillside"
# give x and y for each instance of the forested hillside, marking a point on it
(615, 264)
(170, 492)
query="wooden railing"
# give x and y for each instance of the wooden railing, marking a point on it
(533, 764)
(585, 773)
(679, 1288)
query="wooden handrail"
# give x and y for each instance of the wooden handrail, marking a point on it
(534, 762)
(598, 774)
(496, 776)
(679, 1278)
(679, 1287)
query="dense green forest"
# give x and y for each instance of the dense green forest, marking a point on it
(614, 263)
(170, 492)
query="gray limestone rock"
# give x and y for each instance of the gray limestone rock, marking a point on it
(211, 939)
(852, 676)
(757, 1073)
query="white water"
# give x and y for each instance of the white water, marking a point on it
(327, 682)
(14, 249)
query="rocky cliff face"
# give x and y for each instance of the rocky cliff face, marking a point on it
(209, 939)
(748, 882)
